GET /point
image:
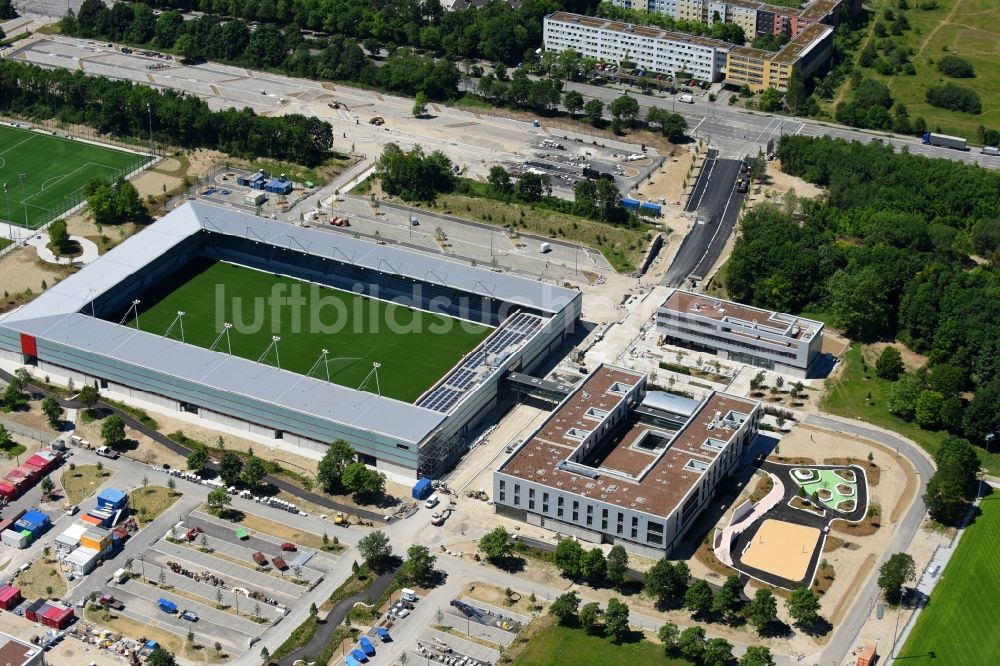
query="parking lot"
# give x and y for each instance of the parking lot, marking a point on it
(216, 568)
(488, 629)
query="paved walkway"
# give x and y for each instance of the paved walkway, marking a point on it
(40, 241)
(731, 531)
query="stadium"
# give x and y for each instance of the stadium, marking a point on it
(295, 336)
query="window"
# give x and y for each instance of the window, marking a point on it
(531, 504)
(560, 501)
(656, 528)
(503, 496)
(635, 521)
(654, 539)
(531, 492)
(635, 533)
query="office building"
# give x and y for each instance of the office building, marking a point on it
(770, 340)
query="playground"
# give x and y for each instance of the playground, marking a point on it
(835, 488)
(781, 548)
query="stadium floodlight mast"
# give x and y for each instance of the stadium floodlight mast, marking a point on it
(323, 358)
(10, 226)
(225, 331)
(275, 339)
(134, 307)
(374, 373)
(179, 319)
(24, 200)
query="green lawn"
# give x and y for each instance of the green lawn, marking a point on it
(846, 396)
(415, 348)
(55, 169)
(557, 645)
(971, 30)
(959, 625)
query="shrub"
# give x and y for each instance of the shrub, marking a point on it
(956, 98)
(955, 67)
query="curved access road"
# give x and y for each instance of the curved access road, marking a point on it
(847, 631)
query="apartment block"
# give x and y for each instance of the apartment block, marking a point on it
(614, 463)
(770, 340)
(649, 48)
(802, 56)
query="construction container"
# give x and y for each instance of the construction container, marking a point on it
(10, 597)
(82, 560)
(254, 198)
(97, 538)
(35, 608)
(56, 616)
(112, 498)
(15, 539)
(92, 520)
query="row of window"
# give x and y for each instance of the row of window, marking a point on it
(725, 341)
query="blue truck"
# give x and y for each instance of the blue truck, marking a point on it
(167, 606)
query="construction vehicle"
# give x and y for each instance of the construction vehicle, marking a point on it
(438, 519)
(192, 534)
(377, 120)
(341, 519)
(478, 494)
(334, 104)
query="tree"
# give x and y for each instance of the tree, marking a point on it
(590, 617)
(757, 655)
(499, 180)
(88, 397)
(230, 467)
(717, 652)
(667, 582)
(53, 412)
(496, 545)
(927, 412)
(691, 643)
(903, 396)
(188, 48)
(668, 635)
(617, 565)
(47, 486)
(218, 500)
(568, 557)
(593, 566)
(253, 472)
(624, 108)
(113, 431)
(573, 101)
(362, 481)
(59, 236)
(420, 105)
(7, 10)
(889, 364)
(531, 187)
(593, 111)
(565, 606)
(674, 127)
(197, 459)
(616, 620)
(894, 573)
(375, 549)
(762, 609)
(160, 657)
(698, 599)
(955, 481)
(6, 441)
(331, 468)
(727, 600)
(954, 97)
(419, 565)
(803, 606)
(770, 100)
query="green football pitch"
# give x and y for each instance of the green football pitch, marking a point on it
(55, 172)
(960, 623)
(414, 348)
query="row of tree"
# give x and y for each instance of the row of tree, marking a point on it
(126, 109)
(887, 254)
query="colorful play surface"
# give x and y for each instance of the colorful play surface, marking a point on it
(836, 488)
(781, 548)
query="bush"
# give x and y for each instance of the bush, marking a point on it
(955, 67)
(675, 367)
(956, 98)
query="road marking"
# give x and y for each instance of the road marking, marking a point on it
(718, 228)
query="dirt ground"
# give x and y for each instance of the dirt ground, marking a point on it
(67, 651)
(668, 181)
(21, 270)
(834, 343)
(146, 450)
(911, 359)
(780, 182)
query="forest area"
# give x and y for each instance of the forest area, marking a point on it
(901, 248)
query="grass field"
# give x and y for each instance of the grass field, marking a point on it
(552, 645)
(414, 348)
(848, 396)
(955, 627)
(55, 169)
(967, 28)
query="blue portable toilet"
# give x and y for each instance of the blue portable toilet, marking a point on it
(359, 655)
(383, 634)
(367, 646)
(350, 661)
(422, 489)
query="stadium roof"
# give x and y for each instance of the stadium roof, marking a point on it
(56, 316)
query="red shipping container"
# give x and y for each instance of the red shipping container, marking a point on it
(7, 490)
(10, 597)
(38, 461)
(14, 474)
(35, 613)
(57, 616)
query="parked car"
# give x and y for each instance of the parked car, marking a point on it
(190, 616)
(71, 511)
(288, 546)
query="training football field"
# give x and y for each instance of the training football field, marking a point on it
(55, 173)
(414, 348)
(960, 623)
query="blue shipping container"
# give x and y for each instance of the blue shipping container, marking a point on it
(630, 203)
(111, 498)
(422, 489)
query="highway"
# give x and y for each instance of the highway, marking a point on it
(737, 132)
(716, 204)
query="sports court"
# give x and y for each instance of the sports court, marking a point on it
(55, 172)
(413, 348)
(781, 548)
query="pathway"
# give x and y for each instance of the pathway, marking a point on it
(88, 249)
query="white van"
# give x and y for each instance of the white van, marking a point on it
(432, 501)
(406, 594)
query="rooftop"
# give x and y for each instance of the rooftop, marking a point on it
(686, 302)
(638, 466)
(15, 652)
(639, 30)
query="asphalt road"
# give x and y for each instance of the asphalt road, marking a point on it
(716, 204)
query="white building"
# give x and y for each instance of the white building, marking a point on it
(770, 340)
(613, 464)
(649, 48)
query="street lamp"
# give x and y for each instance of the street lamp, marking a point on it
(24, 201)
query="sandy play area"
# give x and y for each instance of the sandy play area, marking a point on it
(781, 548)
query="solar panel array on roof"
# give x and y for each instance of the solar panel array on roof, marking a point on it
(479, 363)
